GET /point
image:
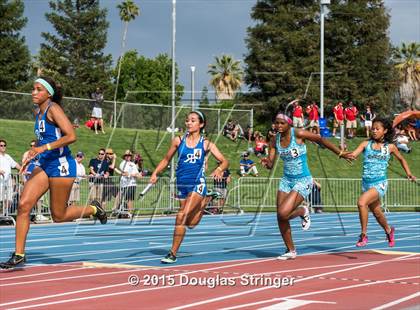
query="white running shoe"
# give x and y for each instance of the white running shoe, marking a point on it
(306, 219)
(287, 255)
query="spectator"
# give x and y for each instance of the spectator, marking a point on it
(98, 99)
(247, 166)
(6, 181)
(410, 128)
(297, 115)
(401, 140)
(313, 114)
(272, 132)
(314, 197)
(80, 175)
(24, 157)
(128, 180)
(98, 171)
(338, 117)
(261, 146)
(248, 134)
(351, 123)
(110, 189)
(138, 160)
(220, 186)
(368, 117)
(231, 130)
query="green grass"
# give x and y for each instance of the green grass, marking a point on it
(153, 145)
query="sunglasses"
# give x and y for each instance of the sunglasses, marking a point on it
(101, 153)
(109, 153)
(79, 156)
(32, 145)
(3, 145)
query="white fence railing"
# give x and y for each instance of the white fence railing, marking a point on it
(242, 193)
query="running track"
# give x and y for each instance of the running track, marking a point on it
(87, 266)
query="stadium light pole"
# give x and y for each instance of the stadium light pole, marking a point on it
(192, 88)
(171, 186)
(324, 4)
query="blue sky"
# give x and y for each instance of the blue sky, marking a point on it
(205, 28)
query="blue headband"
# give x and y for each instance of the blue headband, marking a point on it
(46, 85)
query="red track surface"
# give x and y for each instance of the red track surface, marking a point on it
(362, 280)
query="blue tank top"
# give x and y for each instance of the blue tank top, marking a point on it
(375, 163)
(190, 167)
(47, 132)
(294, 157)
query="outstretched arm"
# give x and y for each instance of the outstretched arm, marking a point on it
(359, 149)
(165, 161)
(306, 135)
(403, 162)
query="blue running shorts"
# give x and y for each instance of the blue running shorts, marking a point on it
(301, 185)
(62, 167)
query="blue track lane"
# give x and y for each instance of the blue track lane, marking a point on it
(217, 238)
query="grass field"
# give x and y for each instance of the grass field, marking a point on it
(152, 145)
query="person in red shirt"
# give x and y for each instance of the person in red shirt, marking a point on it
(297, 115)
(351, 123)
(338, 116)
(313, 112)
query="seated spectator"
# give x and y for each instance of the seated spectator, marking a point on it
(247, 166)
(410, 128)
(261, 146)
(231, 130)
(401, 140)
(248, 134)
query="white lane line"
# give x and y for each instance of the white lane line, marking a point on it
(270, 287)
(396, 302)
(155, 288)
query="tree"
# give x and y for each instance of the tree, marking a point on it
(128, 12)
(204, 100)
(14, 55)
(407, 62)
(147, 80)
(74, 55)
(226, 76)
(283, 52)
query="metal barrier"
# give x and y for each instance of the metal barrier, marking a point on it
(244, 193)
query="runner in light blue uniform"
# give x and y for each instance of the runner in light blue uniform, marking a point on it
(56, 170)
(377, 151)
(296, 183)
(296, 174)
(191, 183)
(190, 169)
(375, 165)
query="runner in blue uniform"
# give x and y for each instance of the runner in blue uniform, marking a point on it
(190, 179)
(55, 169)
(296, 183)
(376, 152)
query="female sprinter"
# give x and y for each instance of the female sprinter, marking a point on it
(56, 170)
(296, 183)
(190, 179)
(377, 151)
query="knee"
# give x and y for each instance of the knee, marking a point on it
(24, 207)
(180, 218)
(282, 215)
(58, 218)
(361, 204)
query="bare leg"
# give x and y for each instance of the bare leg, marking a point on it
(375, 207)
(59, 194)
(33, 190)
(188, 205)
(286, 205)
(364, 201)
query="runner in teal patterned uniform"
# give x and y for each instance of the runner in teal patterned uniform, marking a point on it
(296, 183)
(377, 152)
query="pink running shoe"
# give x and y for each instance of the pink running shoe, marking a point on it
(363, 240)
(391, 237)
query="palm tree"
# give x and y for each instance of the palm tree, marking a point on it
(226, 76)
(407, 59)
(128, 12)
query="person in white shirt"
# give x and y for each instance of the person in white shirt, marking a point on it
(7, 163)
(128, 182)
(80, 175)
